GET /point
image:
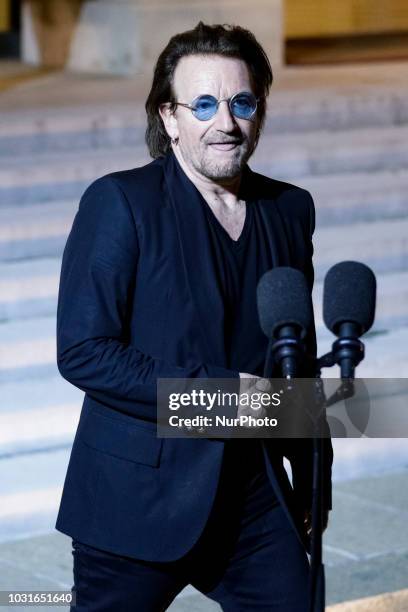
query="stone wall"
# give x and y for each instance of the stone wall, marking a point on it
(48, 30)
(124, 37)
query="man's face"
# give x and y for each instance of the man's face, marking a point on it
(217, 148)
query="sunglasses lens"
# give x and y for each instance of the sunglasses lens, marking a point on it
(243, 105)
(204, 107)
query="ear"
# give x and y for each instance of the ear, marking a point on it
(169, 120)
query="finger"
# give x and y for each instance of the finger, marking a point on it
(263, 384)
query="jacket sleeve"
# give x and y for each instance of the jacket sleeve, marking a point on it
(98, 273)
(300, 451)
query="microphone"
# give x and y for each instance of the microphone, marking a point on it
(349, 297)
(285, 313)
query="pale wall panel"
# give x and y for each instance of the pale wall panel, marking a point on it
(314, 18)
(4, 15)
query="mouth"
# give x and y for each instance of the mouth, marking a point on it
(225, 146)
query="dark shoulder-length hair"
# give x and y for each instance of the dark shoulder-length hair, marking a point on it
(227, 40)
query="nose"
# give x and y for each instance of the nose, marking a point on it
(224, 119)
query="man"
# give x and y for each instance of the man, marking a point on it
(158, 280)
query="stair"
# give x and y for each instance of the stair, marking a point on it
(343, 141)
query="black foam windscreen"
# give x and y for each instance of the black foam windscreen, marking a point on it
(349, 295)
(284, 298)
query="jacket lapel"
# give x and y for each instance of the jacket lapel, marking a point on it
(260, 189)
(198, 260)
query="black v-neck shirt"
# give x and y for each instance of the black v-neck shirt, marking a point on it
(240, 264)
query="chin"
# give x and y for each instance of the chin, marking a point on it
(217, 170)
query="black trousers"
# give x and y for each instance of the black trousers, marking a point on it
(248, 558)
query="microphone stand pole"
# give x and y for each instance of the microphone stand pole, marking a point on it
(317, 577)
(287, 348)
(317, 594)
(317, 590)
(353, 349)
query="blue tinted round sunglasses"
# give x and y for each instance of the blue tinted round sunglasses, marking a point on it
(242, 105)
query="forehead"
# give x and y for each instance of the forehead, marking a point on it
(210, 74)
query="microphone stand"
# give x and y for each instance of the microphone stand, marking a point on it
(350, 351)
(287, 349)
(317, 591)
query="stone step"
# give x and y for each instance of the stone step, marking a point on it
(291, 109)
(28, 350)
(45, 178)
(40, 229)
(341, 199)
(31, 485)
(327, 152)
(29, 289)
(371, 561)
(38, 414)
(381, 245)
(394, 601)
(42, 416)
(45, 428)
(349, 580)
(35, 221)
(42, 177)
(30, 491)
(61, 130)
(322, 105)
(35, 230)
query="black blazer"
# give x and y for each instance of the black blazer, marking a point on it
(137, 301)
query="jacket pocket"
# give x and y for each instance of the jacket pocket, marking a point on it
(128, 441)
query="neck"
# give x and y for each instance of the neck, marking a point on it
(222, 192)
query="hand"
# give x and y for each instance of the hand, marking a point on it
(307, 521)
(261, 384)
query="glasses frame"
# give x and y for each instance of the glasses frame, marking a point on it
(229, 100)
